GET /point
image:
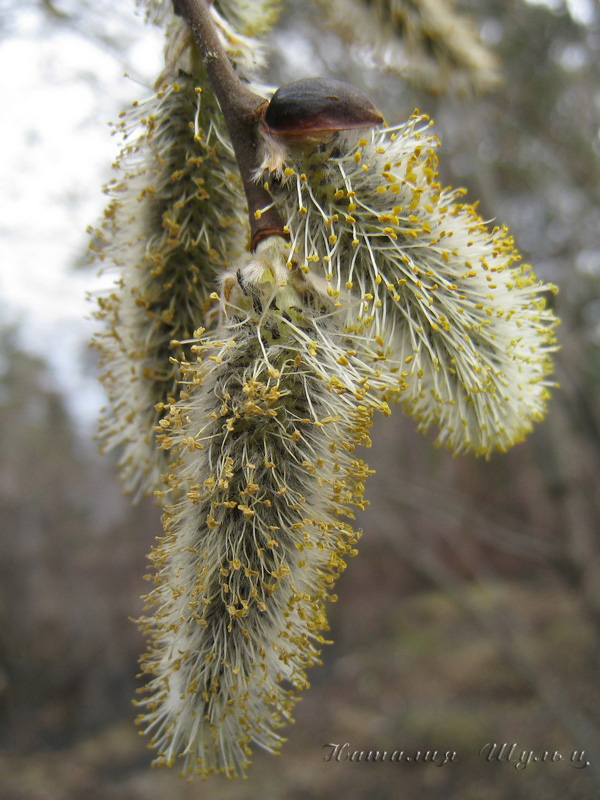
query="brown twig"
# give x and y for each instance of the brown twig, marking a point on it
(241, 109)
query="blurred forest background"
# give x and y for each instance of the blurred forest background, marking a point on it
(472, 613)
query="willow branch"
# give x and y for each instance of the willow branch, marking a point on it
(241, 109)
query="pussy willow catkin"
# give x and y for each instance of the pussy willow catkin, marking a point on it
(176, 219)
(426, 41)
(444, 295)
(262, 472)
(249, 17)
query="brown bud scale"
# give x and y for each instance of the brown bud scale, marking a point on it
(313, 105)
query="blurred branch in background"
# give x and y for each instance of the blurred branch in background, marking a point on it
(472, 614)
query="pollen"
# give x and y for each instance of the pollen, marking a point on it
(441, 298)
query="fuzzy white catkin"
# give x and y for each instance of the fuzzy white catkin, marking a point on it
(263, 470)
(444, 296)
(427, 41)
(249, 17)
(177, 217)
(246, 52)
(177, 220)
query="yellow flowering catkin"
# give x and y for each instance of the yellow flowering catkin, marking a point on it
(417, 270)
(249, 17)
(262, 472)
(177, 217)
(427, 41)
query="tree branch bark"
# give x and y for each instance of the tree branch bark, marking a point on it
(241, 110)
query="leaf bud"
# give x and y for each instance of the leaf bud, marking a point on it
(319, 105)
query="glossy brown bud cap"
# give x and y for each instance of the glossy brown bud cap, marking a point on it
(316, 105)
